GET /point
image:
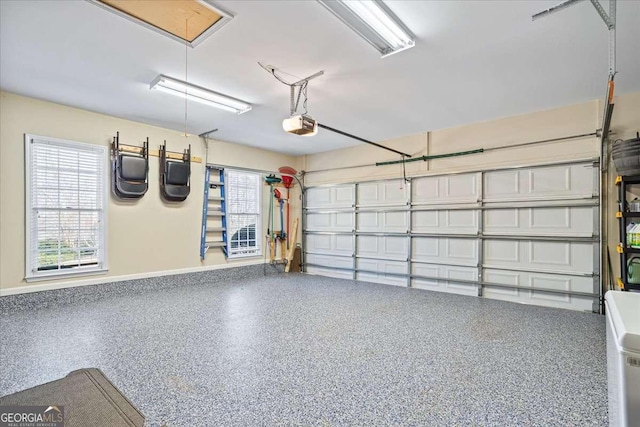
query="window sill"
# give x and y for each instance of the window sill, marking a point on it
(242, 256)
(64, 274)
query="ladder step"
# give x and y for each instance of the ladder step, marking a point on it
(213, 212)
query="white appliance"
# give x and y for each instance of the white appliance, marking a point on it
(623, 357)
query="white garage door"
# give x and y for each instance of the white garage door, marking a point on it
(525, 235)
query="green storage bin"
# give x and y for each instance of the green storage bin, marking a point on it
(633, 270)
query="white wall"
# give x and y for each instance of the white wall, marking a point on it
(145, 236)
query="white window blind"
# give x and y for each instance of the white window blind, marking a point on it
(244, 227)
(66, 200)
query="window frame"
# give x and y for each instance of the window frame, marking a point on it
(259, 225)
(103, 264)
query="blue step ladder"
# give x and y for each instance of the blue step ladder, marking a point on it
(214, 212)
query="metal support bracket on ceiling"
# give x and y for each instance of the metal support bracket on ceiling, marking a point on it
(608, 18)
(610, 21)
(302, 87)
(306, 79)
(295, 101)
(300, 84)
(208, 133)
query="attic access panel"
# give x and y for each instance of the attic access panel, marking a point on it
(190, 21)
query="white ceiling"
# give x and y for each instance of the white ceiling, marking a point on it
(473, 61)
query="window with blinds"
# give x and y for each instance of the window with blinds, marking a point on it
(244, 227)
(65, 204)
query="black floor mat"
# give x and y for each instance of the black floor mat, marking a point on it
(88, 398)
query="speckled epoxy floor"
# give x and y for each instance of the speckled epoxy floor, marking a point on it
(308, 350)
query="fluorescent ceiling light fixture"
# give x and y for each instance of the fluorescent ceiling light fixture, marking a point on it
(374, 22)
(199, 94)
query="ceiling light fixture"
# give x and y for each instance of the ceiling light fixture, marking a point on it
(199, 94)
(374, 22)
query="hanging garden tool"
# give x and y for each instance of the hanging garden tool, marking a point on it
(270, 238)
(282, 235)
(288, 182)
(292, 246)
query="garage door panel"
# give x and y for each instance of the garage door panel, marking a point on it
(540, 281)
(502, 185)
(426, 221)
(445, 250)
(427, 248)
(316, 221)
(575, 257)
(345, 194)
(392, 247)
(381, 278)
(559, 283)
(552, 182)
(319, 197)
(375, 269)
(330, 221)
(504, 278)
(572, 257)
(319, 243)
(382, 266)
(452, 189)
(502, 252)
(328, 272)
(462, 248)
(576, 221)
(391, 221)
(461, 188)
(330, 261)
(533, 225)
(338, 196)
(445, 221)
(445, 272)
(563, 221)
(502, 220)
(342, 245)
(330, 244)
(392, 192)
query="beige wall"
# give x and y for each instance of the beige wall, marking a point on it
(150, 236)
(559, 122)
(144, 236)
(576, 119)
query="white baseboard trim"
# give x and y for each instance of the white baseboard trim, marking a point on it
(109, 279)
